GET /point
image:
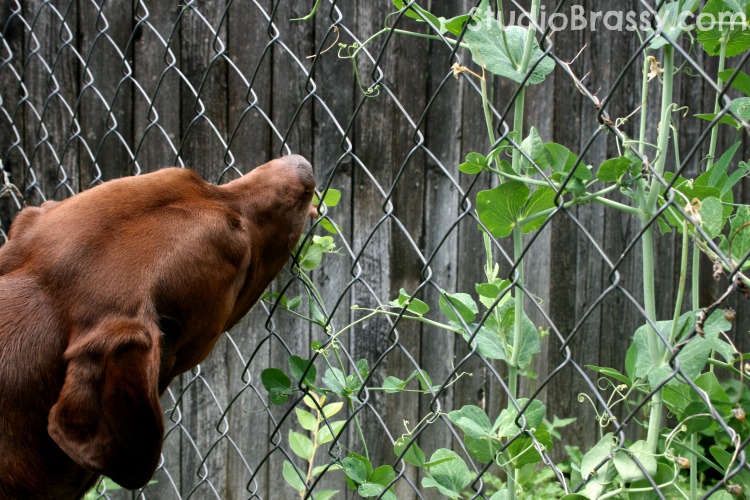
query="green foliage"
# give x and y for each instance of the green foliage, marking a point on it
(501, 49)
(534, 179)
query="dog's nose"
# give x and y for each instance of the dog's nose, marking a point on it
(303, 167)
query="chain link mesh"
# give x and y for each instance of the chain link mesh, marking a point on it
(92, 90)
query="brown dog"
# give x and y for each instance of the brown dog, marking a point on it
(107, 296)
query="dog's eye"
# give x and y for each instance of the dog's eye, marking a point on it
(169, 327)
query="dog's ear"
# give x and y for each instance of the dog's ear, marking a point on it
(108, 415)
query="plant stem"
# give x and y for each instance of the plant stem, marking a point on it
(518, 119)
(695, 285)
(359, 429)
(405, 316)
(403, 32)
(656, 350)
(644, 105)
(680, 288)
(717, 103)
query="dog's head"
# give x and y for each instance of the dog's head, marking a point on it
(146, 273)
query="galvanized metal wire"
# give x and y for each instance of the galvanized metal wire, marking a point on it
(83, 88)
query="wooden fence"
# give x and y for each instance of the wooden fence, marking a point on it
(94, 90)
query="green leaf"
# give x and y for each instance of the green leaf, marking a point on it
(711, 385)
(367, 490)
(417, 13)
(301, 445)
(739, 39)
(665, 478)
(728, 461)
(363, 368)
(523, 452)
(562, 159)
(591, 459)
(330, 410)
(293, 478)
(414, 455)
(489, 49)
(415, 305)
(487, 342)
(534, 147)
(741, 81)
(330, 226)
(489, 292)
(475, 163)
(449, 476)
(311, 258)
(695, 354)
(505, 424)
(716, 176)
(611, 373)
(357, 468)
(482, 449)
(463, 304)
(613, 169)
(332, 197)
(664, 227)
(277, 384)
(294, 302)
(392, 385)
(455, 25)
(383, 475)
(542, 199)
(712, 220)
(672, 22)
(717, 323)
(324, 433)
(726, 119)
(739, 233)
(472, 420)
(470, 168)
(630, 361)
(689, 356)
(335, 380)
(626, 466)
(500, 208)
(307, 420)
(696, 417)
(677, 398)
(312, 255)
(315, 312)
(529, 341)
(298, 366)
(741, 107)
(325, 494)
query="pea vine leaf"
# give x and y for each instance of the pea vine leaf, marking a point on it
(500, 50)
(710, 34)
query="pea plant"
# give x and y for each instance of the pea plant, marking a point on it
(685, 366)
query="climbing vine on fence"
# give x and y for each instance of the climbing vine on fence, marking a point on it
(684, 367)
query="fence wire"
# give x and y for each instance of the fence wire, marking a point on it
(92, 90)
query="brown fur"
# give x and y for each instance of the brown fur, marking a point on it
(107, 296)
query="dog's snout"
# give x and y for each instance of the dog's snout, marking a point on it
(304, 169)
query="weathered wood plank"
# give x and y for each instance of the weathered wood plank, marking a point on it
(156, 99)
(50, 77)
(204, 122)
(106, 90)
(443, 134)
(156, 135)
(293, 121)
(12, 146)
(249, 142)
(333, 163)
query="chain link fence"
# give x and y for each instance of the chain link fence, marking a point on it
(421, 392)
